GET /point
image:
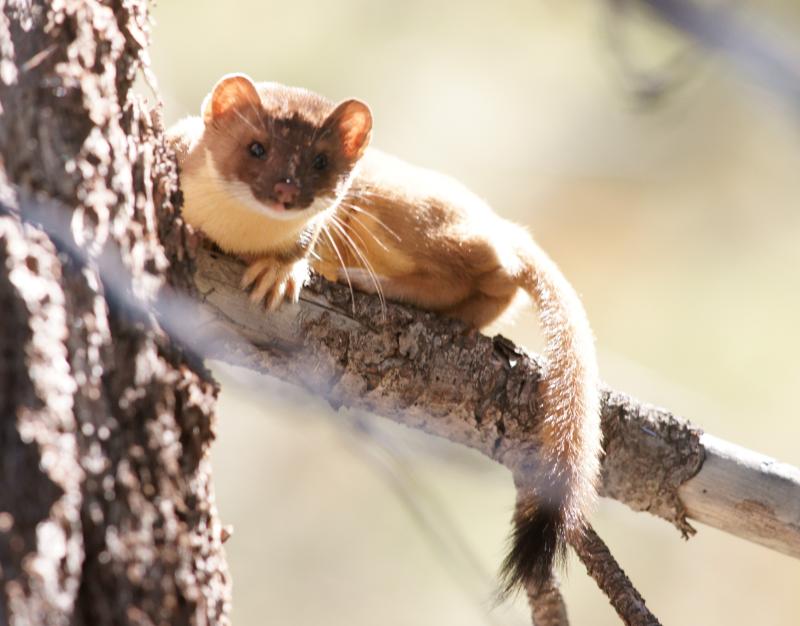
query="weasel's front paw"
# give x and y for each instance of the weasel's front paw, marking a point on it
(275, 280)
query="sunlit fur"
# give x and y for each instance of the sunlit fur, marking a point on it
(420, 237)
(228, 212)
(232, 193)
(427, 240)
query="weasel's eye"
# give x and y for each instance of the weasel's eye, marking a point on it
(257, 150)
(320, 162)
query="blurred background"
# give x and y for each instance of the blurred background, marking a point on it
(664, 181)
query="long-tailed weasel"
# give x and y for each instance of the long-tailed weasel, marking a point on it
(413, 235)
(262, 169)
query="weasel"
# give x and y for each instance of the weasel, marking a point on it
(412, 235)
(261, 171)
(428, 241)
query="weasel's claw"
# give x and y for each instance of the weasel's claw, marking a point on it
(276, 296)
(264, 284)
(274, 281)
(293, 287)
(254, 271)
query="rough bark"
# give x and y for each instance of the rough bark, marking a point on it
(547, 605)
(434, 374)
(106, 509)
(610, 577)
(428, 373)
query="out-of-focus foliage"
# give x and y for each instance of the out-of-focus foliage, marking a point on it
(678, 223)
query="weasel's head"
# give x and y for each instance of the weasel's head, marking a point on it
(283, 152)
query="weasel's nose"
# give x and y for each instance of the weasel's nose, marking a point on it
(286, 191)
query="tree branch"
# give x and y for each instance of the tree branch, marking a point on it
(431, 373)
(547, 605)
(603, 567)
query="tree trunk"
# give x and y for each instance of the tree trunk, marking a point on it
(106, 504)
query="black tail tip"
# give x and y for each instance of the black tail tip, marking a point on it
(538, 544)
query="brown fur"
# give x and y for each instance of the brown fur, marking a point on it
(232, 194)
(412, 235)
(428, 241)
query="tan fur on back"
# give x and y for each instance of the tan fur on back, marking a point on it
(434, 244)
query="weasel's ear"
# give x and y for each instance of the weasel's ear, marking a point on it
(231, 92)
(353, 121)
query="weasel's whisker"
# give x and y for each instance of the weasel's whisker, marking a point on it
(362, 257)
(245, 120)
(259, 116)
(378, 221)
(355, 218)
(344, 267)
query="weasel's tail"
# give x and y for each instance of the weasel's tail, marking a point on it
(556, 483)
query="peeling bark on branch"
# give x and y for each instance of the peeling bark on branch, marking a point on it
(429, 373)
